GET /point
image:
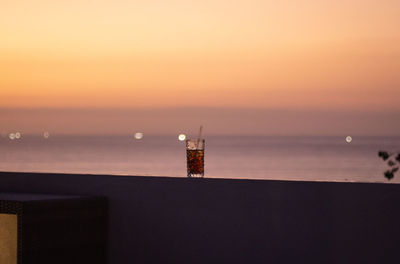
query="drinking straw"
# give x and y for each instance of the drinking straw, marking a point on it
(198, 139)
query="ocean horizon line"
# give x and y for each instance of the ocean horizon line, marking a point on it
(5, 133)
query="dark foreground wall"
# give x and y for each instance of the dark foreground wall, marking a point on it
(179, 220)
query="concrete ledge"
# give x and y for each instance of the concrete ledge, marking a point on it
(180, 220)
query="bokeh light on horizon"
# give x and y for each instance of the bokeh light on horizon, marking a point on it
(181, 137)
(14, 135)
(11, 136)
(138, 135)
(46, 135)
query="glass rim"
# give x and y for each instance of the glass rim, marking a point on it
(195, 140)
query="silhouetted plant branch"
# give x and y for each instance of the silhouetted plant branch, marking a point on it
(393, 161)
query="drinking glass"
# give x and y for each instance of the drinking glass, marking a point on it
(195, 158)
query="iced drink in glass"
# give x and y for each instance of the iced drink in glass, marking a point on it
(195, 158)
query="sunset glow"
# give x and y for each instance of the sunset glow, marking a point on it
(307, 54)
(313, 58)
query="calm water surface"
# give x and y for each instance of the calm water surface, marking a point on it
(250, 157)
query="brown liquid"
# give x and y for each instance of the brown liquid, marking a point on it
(195, 162)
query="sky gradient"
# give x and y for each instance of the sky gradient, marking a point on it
(288, 56)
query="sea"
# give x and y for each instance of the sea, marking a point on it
(309, 158)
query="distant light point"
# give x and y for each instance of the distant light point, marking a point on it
(138, 135)
(349, 139)
(46, 134)
(11, 136)
(17, 135)
(181, 137)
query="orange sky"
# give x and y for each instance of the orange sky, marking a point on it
(310, 54)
